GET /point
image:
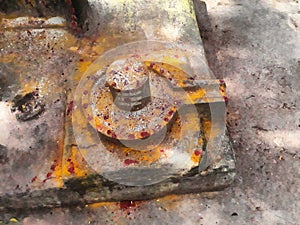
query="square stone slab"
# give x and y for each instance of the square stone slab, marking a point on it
(42, 61)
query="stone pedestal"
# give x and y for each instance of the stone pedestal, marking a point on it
(43, 165)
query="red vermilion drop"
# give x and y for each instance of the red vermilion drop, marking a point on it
(70, 108)
(113, 135)
(124, 205)
(85, 105)
(74, 24)
(197, 152)
(71, 168)
(171, 112)
(145, 134)
(130, 161)
(53, 167)
(225, 99)
(33, 179)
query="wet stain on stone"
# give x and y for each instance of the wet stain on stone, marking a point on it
(28, 107)
(3, 154)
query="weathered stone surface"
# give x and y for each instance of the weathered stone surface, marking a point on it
(36, 106)
(94, 188)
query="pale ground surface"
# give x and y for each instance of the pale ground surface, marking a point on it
(255, 47)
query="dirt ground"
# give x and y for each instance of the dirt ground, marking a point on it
(255, 47)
